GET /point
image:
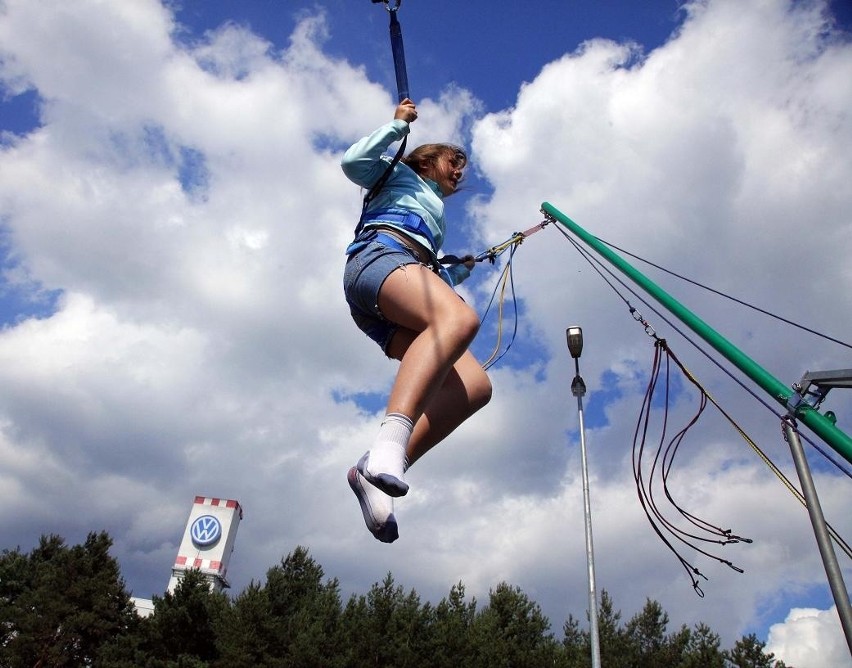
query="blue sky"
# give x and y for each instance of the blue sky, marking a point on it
(172, 218)
(467, 43)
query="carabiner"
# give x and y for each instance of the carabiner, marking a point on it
(387, 4)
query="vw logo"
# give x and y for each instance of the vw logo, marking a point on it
(205, 531)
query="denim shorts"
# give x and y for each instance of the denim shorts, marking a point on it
(365, 273)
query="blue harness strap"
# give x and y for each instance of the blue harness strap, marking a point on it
(406, 220)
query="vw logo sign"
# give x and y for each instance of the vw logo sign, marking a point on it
(205, 531)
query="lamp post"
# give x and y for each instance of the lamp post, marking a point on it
(574, 335)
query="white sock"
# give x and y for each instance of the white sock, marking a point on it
(388, 452)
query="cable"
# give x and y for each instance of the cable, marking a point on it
(505, 279)
(506, 276)
(726, 296)
(778, 473)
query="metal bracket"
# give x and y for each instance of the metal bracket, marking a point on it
(823, 381)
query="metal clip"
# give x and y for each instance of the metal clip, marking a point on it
(387, 4)
(638, 317)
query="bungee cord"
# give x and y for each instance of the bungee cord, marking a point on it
(506, 276)
(663, 460)
(397, 48)
(401, 73)
(664, 457)
(505, 279)
(778, 473)
(491, 254)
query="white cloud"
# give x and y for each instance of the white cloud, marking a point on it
(201, 340)
(809, 638)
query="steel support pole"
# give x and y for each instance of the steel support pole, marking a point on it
(823, 538)
(590, 550)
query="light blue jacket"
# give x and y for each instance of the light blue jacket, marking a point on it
(404, 192)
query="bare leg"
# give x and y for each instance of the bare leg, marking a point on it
(438, 386)
(466, 389)
(440, 328)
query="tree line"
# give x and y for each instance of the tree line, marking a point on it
(68, 606)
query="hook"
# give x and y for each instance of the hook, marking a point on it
(387, 4)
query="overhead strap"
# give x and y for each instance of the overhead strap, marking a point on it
(398, 55)
(398, 51)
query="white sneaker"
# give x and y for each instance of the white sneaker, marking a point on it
(376, 506)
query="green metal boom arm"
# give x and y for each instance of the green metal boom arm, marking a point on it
(784, 395)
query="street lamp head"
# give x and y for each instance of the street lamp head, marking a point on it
(575, 340)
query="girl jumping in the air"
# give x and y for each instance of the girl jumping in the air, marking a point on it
(403, 299)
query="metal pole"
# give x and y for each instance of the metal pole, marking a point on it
(821, 425)
(823, 538)
(578, 389)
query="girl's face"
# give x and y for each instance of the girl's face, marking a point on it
(447, 172)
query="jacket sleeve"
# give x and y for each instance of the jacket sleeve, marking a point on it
(362, 163)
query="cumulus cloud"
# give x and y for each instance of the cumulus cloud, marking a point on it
(181, 201)
(809, 638)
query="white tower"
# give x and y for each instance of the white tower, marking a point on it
(208, 540)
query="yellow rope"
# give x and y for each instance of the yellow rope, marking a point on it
(504, 276)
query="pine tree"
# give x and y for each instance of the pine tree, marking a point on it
(512, 631)
(387, 628)
(453, 622)
(576, 644)
(647, 632)
(616, 650)
(184, 625)
(60, 605)
(306, 611)
(703, 650)
(748, 652)
(246, 636)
